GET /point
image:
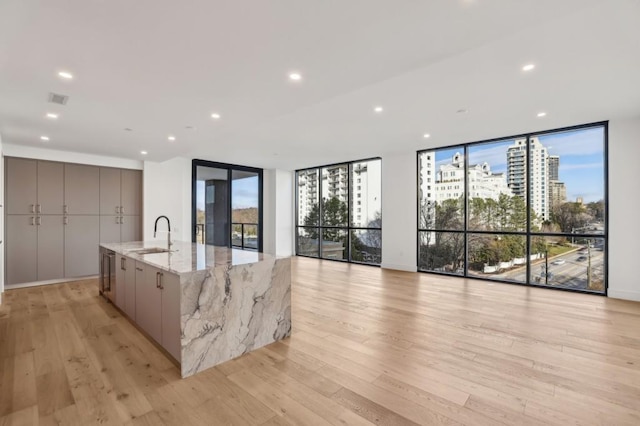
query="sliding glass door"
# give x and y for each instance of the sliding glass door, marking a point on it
(227, 205)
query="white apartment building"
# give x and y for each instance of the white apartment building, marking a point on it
(365, 190)
(517, 177)
(483, 183)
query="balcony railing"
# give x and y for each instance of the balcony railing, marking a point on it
(244, 235)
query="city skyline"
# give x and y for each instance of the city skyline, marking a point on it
(581, 155)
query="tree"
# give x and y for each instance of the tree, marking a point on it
(570, 216)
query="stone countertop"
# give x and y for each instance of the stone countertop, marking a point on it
(186, 257)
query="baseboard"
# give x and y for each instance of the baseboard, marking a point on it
(626, 295)
(398, 267)
(47, 282)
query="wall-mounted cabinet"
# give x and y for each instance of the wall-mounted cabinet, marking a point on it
(57, 214)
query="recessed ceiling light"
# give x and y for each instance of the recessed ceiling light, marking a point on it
(378, 109)
(143, 152)
(65, 74)
(528, 67)
(542, 114)
(426, 135)
(44, 138)
(52, 115)
(172, 138)
(215, 116)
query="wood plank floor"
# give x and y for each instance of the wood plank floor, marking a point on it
(369, 346)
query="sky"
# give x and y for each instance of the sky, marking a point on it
(244, 193)
(581, 159)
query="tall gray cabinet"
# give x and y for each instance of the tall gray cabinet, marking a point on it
(54, 217)
(120, 207)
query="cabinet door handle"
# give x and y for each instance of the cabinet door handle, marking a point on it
(117, 209)
(121, 220)
(32, 207)
(33, 221)
(157, 279)
(65, 221)
(65, 209)
(38, 221)
(121, 209)
(117, 220)
(122, 264)
(139, 269)
(39, 208)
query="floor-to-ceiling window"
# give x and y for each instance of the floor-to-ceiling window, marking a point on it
(339, 212)
(529, 209)
(227, 205)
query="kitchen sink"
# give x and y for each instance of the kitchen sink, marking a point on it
(149, 250)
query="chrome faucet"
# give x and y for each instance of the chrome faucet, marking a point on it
(155, 229)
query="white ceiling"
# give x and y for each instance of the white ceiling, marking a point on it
(157, 66)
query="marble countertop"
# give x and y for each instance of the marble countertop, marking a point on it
(186, 257)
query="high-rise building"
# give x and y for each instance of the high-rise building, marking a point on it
(539, 174)
(427, 185)
(366, 182)
(307, 193)
(554, 167)
(557, 193)
(557, 190)
(365, 190)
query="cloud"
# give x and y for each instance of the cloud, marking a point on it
(575, 142)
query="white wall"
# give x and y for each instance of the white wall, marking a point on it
(624, 209)
(2, 268)
(69, 157)
(278, 209)
(167, 191)
(399, 211)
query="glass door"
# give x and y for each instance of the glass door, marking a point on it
(227, 205)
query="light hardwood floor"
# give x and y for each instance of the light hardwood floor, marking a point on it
(369, 346)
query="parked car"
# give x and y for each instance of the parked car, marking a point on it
(581, 258)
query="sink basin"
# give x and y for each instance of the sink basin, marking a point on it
(149, 250)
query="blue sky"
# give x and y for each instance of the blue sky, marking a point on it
(244, 193)
(581, 159)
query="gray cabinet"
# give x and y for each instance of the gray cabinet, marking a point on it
(126, 285)
(50, 188)
(22, 249)
(158, 306)
(148, 301)
(171, 336)
(35, 246)
(130, 228)
(81, 239)
(81, 189)
(50, 230)
(120, 205)
(22, 186)
(131, 192)
(109, 191)
(34, 187)
(66, 209)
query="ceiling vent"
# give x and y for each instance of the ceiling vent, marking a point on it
(56, 98)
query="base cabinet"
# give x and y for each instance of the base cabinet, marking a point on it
(125, 285)
(157, 306)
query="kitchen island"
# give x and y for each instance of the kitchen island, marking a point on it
(203, 304)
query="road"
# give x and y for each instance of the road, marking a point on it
(570, 274)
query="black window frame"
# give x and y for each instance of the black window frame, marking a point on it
(195, 163)
(349, 227)
(528, 233)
